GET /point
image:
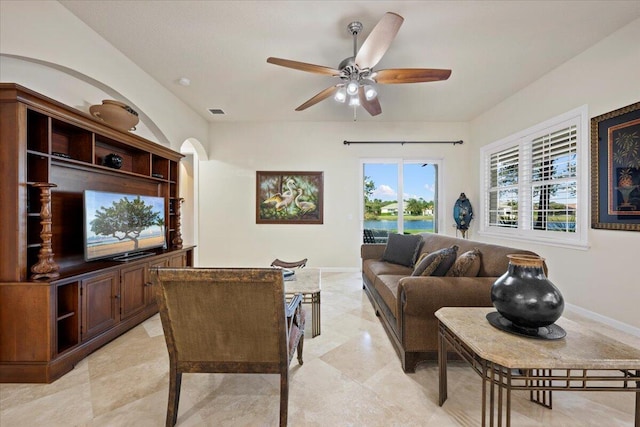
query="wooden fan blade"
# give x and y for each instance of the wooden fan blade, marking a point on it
(319, 97)
(373, 107)
(303, 66)
(410, 75)
(379, 40)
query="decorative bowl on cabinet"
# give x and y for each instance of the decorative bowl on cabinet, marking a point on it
(116, 114)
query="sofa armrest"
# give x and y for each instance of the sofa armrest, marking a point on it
(372, 250)
(422, 295)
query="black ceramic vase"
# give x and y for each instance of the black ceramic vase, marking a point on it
(525, 296)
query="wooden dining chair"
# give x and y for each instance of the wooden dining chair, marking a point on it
(228, 320)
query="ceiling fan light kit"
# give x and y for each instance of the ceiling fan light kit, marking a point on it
(358, 79)
(352, 87)
(370, 91)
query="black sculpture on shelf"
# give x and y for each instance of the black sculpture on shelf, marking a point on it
(113, 161)
(463, 214)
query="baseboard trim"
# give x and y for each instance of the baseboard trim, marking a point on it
(340, 269)
(604, 319)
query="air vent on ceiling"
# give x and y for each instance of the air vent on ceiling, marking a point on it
(216, 111)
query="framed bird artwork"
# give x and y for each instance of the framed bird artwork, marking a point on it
(289, 197)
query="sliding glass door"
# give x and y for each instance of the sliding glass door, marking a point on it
(399, 196)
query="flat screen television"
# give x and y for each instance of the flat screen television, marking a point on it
(122, 226)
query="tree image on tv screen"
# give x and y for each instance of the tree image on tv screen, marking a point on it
(126, 219)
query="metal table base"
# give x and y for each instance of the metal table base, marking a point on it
(540, 383)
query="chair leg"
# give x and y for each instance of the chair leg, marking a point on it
(175, 380)
(284, 397)
(300, 346)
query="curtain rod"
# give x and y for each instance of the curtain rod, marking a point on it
(402, 142)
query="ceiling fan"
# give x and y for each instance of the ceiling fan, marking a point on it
(357, 77)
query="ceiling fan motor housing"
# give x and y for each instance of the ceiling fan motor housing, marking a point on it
(350, 71)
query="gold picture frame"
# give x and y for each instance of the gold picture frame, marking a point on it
(615, 169)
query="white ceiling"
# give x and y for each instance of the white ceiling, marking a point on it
(494, 48)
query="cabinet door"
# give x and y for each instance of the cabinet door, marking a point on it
(133, 290)
(99, 304)
(151, 291)
(179, 260)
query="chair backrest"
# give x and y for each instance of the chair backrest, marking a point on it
(230, 319)
(284, 264)
(368, 236)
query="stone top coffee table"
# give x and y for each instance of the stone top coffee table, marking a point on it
(306, 281)
(582, 361)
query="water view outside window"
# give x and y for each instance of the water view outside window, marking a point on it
(399, 197)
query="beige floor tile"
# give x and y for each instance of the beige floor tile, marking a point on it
(351, 376)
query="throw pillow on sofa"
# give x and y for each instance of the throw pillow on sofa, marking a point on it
(467, 265)
(437, 263)
(421, 257)
(402, 249)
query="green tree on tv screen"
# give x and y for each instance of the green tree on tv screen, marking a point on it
(126, 219)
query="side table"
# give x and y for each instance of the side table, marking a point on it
(306, 281)
(582, 361)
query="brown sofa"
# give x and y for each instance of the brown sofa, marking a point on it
(406, 304)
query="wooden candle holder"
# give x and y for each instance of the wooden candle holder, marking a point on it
(46, 267)
(177, 240)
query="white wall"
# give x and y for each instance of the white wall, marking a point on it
(44, 47)
(47, 32)
(604, 279)
(228, 229)
(186, 209)
(69, 89)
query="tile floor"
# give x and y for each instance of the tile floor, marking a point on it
(351, 377)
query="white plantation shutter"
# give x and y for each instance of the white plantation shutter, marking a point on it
(560, 148)
(503, 187)
(535, 182)
(553, 180)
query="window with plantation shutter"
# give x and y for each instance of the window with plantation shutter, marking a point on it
(503, 188)
(553, 181)
(535, 182)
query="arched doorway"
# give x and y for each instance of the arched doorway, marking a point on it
(193, 153)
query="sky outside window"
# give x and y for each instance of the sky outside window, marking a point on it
(419, 181)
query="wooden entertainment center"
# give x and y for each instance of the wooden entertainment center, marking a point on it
(50, 323)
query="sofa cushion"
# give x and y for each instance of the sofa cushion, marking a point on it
(493, 262)
(387, 287)
(428, 263)
(437, 263)
(467, 264)
(402, 249)
(421, 256)
(371, 268)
